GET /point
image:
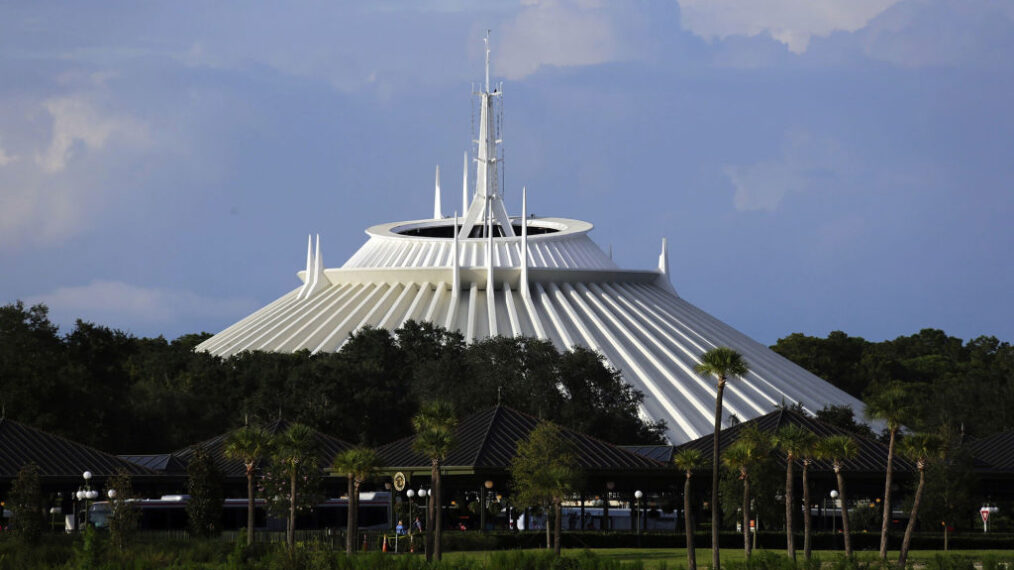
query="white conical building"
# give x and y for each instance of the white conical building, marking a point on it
(492, 274)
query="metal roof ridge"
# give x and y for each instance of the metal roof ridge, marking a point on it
(68, 441)
(497, 411)
(592, 438)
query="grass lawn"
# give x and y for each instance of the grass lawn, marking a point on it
(677, 557)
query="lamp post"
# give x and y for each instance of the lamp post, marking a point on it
(425, 507)
(87, 494)
(834, 521)
(637, 503)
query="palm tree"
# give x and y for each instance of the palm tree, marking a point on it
(688, 460)
(837, 449)
(358, 464)
(248, 444)
(721, 362)
(807, 456)
(891, 405)
(921, 448)
(434, 427)
(796, 442)
(293, 447)
(751, 448)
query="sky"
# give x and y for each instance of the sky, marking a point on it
(815, 165)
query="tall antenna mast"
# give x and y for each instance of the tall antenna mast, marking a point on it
(487, 180)
(486, 41)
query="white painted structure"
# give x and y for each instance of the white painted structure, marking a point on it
(490, 274)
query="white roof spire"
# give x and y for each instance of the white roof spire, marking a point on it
(487, 178)
(464, 186)
(436, 198)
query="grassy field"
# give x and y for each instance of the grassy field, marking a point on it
(676, 557)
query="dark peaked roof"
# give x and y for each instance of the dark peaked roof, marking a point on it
(327, 448)
(663, 453)
(872, 456)
(489, 440)
(164, 462)
(997, 450)
(56, 456)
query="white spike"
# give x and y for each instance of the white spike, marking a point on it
(663, 259)
(315, 278)
(487, 60)
(464, 186)
(489, 248)
(308, 275)
(524, 240)
(437, 214)
(490, 287)
(663, 267)
(455, 276)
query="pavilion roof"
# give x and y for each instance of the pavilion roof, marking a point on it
(56, 456)
(176, 462)
(996, 450)
(488, 440)
(872, 457)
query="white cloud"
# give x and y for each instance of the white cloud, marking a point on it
(791, 22)
(66, 186)
(118, 304)
(561, 33)
(805, 163)
(913, 33)
(5, 158)
(78, 127)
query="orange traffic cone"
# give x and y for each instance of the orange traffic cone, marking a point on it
(384, 549)
(365, 545)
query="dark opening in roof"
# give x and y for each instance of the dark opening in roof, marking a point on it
(447, 231)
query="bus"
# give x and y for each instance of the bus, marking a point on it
(169, 512)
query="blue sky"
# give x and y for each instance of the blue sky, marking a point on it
(816, 166)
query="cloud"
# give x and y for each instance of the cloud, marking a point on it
(121, 305)
(918, 33)
(791, 22)
(5, 158)
(562, 33)
(57, 194)
(805, 163)
(78, 127)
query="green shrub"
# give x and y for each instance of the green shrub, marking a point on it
(950, 562)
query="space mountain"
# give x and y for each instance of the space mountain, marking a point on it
(488, 273)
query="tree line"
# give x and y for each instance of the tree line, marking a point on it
(117, 385)
(965, 385)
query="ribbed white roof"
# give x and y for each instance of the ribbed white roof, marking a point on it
(576, 296)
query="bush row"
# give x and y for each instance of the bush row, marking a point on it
(767, 540)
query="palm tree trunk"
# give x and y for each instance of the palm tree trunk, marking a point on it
(437, 511)
(688, 522)
(557, 514)
(715, 562)
(790, 539)
(355, 511)
(291, 531)
(549, 537)
(844, 514)
(746, 515)
(903, 557)
(350, 524)
(887, 495)
(807, 521)
(249, 507)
